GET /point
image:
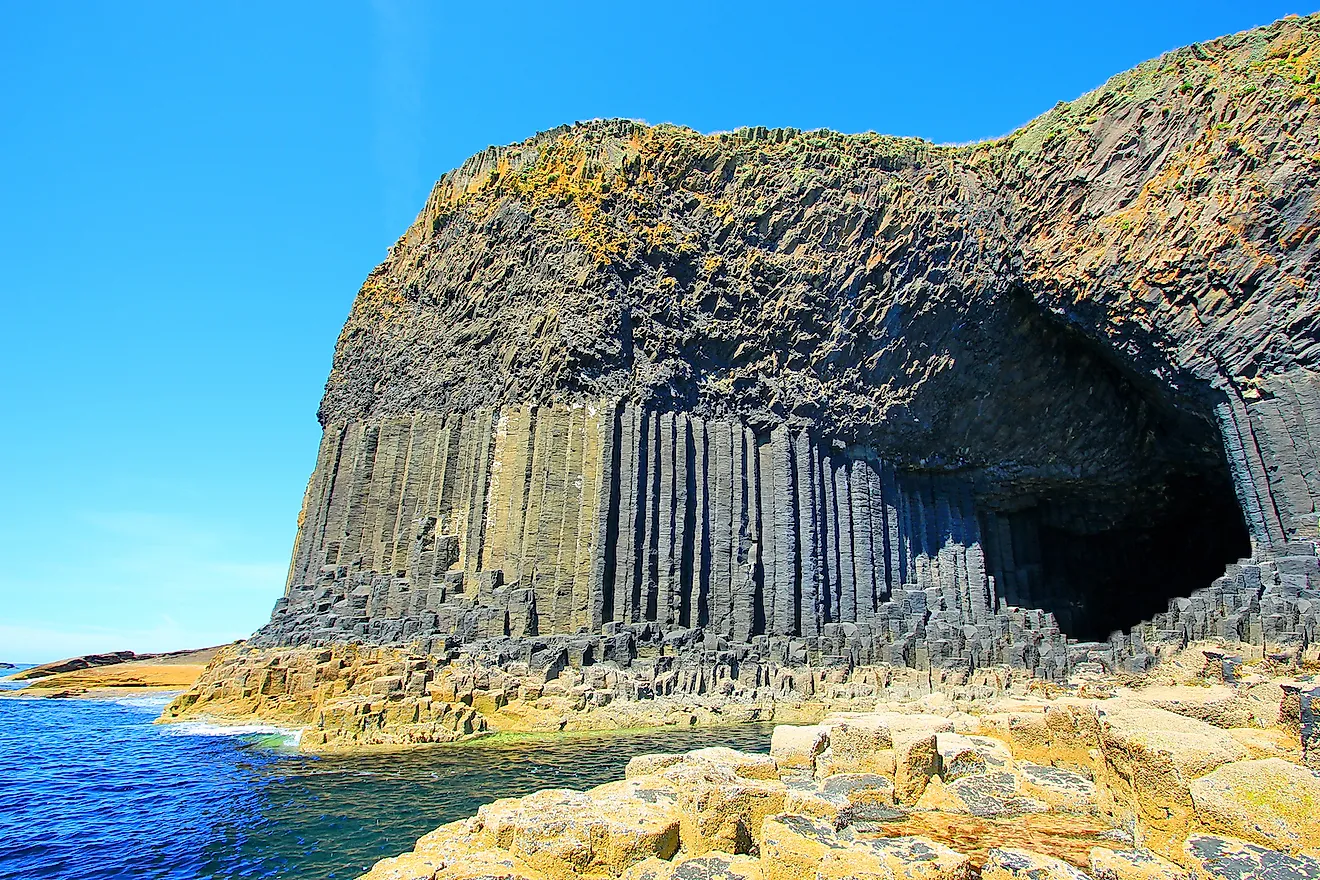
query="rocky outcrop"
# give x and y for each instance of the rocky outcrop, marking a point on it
(814, 399)
(927, 789)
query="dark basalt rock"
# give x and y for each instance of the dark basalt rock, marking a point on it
(805, 398)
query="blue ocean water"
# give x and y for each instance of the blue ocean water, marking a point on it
(93, 789)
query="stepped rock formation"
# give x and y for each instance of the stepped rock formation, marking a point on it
(781, 399)
(1190, 778)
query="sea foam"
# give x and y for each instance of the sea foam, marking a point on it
(211, 728)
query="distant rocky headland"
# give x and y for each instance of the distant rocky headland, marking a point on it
(112, 673)
(639, 426)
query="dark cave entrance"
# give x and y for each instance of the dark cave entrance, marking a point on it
(1099, 579)
(1156, 517)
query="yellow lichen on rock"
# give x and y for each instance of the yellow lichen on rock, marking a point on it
(1270, 802)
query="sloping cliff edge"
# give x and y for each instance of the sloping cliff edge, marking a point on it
(742, 420)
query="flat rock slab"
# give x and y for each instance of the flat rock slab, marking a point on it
(1133, 864)
(801, 848)
(1059, 788)
(1021, 864)
(981, 794)
(1193, 747)
(711, 866)
(1223, 858)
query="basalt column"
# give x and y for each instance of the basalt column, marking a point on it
(560, 519)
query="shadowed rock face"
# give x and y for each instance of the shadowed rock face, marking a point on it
(846, 396)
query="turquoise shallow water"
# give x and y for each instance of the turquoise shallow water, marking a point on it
(92, 789)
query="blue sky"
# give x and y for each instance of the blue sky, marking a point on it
(192, 194)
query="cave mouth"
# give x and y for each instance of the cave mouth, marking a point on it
(1173, 539)
(1156, 518)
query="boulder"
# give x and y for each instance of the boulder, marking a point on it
(859, 744)
(1270, 802)
(1150, 757)
(796, 747)
(917, 759)
(567, 834)
(718, 809)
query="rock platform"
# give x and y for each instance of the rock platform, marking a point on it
(1190, 777)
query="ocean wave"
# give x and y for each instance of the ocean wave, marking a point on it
(286, 735)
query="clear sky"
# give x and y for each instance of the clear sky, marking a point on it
(191, 194)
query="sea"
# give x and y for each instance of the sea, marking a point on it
(93, 789)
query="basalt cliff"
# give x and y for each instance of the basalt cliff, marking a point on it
(779, 418)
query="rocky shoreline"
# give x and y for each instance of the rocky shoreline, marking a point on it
(1207, 771)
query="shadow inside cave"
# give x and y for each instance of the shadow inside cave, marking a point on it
(1097, 580)
(1109, 549)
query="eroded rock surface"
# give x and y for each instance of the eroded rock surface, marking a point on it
(1147, 793)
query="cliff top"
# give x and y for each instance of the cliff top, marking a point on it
(864, 282)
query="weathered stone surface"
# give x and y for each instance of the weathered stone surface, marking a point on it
(1059, 788)
(1133, 864)
(981, 794)
(799, 848)
(1270, 802)
(1151, 756)
(1224, 858)
(711, 866)
(858, 745)
(723, 796)
(907, 858)
(1158, 779)
(453, 852)
(917, 758)
(962, 755)
(566, 834)
(1021, 864)
(797, 746)
(1218, 705)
